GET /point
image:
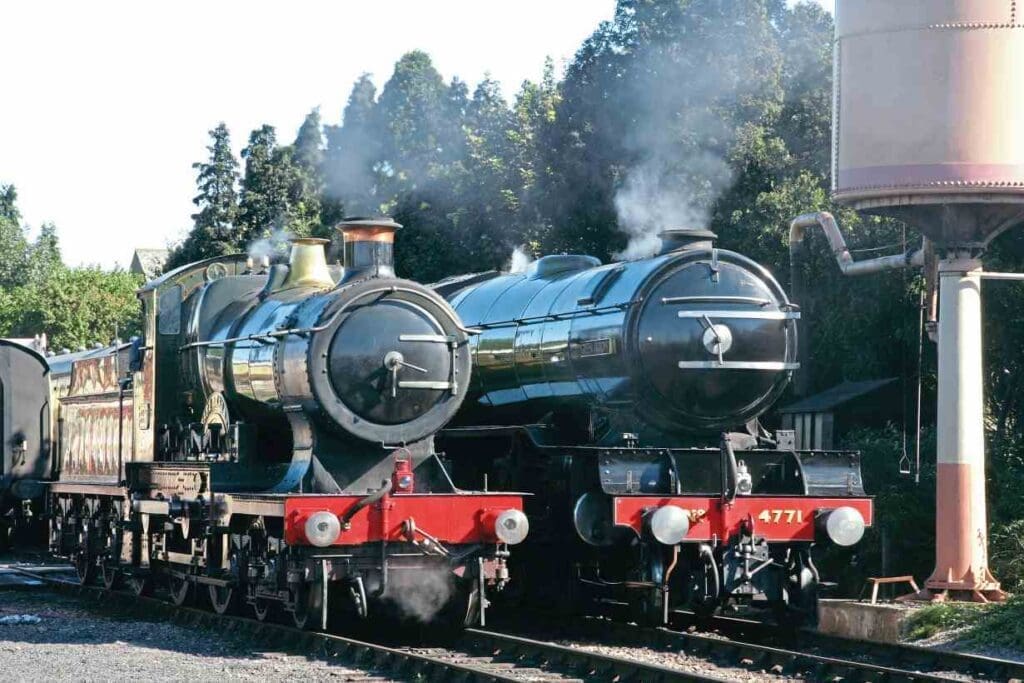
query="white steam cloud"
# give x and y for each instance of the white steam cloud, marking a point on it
(275, 244)
(520, 260)
(654, 197)
(688, 94)
(420, 595)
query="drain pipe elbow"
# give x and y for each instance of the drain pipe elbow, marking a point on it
(798, 230)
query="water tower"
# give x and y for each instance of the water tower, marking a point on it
(928, 127)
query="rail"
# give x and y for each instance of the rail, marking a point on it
(478, 655)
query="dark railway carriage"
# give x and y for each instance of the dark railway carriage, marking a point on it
(25, 437)
(610, 392)
(269, 441)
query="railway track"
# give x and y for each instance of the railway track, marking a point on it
(518, 655)
(899, 655)
(843, 663)
(479, 655)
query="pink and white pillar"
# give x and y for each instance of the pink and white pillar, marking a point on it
(961, 531)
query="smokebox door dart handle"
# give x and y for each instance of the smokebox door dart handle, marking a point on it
(393, 361)
(717, 345)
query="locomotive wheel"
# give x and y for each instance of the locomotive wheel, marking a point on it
(85, 559)
(261, 607)
(110, 565)
(6, 531)
(799, 604)
(704, 585)
(180, 589)
(648, 604)
(308, 602)
(222, 599)
(649, 608)
(111, 575)
(140, 585)
(463, 608)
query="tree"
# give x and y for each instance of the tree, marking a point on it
(74, 307)
(535, 113)
(214, 230)
(44, 258)
(352, 156)
(490, 188)
(418, 134)
(305, 203)
(266, 184)
(9, 204)
(13, 243)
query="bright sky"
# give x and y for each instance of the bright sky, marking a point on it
(106, 105)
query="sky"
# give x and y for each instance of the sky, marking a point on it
(106, 105)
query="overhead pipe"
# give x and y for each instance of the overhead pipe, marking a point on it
(797, 231)
(798, 228)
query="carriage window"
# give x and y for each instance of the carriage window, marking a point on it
(169, 311)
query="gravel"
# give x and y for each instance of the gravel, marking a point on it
(682, 661)
(73, 642)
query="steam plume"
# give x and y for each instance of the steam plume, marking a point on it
(273, 245)
(704, 75)
(520, 260)
(422, 594)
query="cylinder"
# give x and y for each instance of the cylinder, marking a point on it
(923, 101)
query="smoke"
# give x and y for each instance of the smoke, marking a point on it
(692, 89)
(520, 260)
(655, 197)
(422, 594)
(274, 246)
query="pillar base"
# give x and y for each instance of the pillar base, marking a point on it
(956, 595)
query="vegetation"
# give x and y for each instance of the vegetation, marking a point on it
(74, 306)
(993, 625)
(709, 113)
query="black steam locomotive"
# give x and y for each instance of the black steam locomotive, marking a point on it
(267, 441)
(626, 397)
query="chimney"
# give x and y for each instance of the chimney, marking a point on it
(369, 246)
(307, 265)
(677, 239)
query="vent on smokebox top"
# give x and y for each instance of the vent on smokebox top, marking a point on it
(678, 239)
(369, 246)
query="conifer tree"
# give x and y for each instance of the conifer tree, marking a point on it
(9, 204)
(13, 244)
(307, 155)
(264, 204)
(214, 230)
(351, 159)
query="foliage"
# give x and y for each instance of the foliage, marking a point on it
(993, 625)
(213, 232)
(73, 306)
(904, 512)
(934, 619)
(8, 204)
(1006, 554)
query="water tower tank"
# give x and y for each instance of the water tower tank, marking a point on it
(929, 96)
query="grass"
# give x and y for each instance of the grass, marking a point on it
(994, 625)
